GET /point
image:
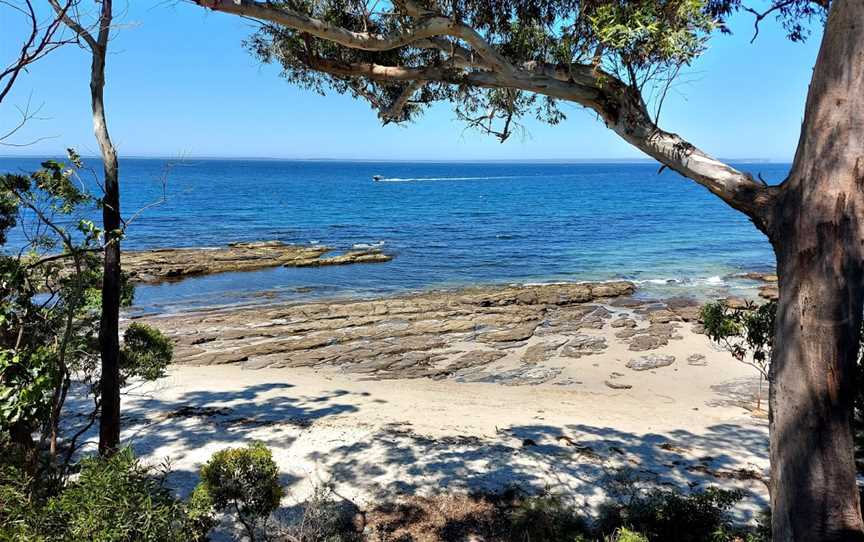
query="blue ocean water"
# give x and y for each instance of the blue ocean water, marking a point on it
(448, 224)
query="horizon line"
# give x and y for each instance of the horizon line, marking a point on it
(386, 160)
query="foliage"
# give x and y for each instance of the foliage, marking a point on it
(112, 500)
(546, 516)
(117, 499)
(674, 517)
(244, 481)
(27, 386)
(48, 330)
(50, 304)
(146, 353)
(626, 535)
(641, 43)
(746, 331)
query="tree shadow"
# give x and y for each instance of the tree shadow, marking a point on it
(586, 463)
(172, 428)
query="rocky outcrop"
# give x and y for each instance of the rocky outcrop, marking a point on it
(770, 289)
(178, 263)
(453, 334)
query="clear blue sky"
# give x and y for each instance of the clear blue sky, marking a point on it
(180, 83)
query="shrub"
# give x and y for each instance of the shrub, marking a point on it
(626, 535)
(17, 505)
(244, 481)
(146, 352)
(117, 499)
(667, 516)
(324, 519)
(545, 517)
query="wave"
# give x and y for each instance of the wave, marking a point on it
(419, 179)
(715, 280)
(367, 246)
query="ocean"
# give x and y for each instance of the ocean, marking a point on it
(448, 224)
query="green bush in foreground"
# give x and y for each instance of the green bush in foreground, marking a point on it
(118, 499)
(244, 481)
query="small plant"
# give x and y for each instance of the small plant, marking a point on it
(324, 519)
(146, 353)
(747, 333)
(626, 535)
(244, 481)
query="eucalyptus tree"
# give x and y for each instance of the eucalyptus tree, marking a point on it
(498, 60)
(95, 36)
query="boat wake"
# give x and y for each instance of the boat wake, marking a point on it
(421, 179)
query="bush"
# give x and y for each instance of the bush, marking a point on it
(545, 517)
(626, 535)
(113, 500)
(17, 505)
(324, 519)
(667, 516)
(242, 480)
(146, 352)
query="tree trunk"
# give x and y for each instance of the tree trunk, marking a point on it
(818, 236)
(109, 339)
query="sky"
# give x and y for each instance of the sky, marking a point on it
(179, 83)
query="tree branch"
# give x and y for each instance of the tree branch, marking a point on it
(429, 25)
(395, 112)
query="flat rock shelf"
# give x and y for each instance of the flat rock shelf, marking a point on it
(159, 265)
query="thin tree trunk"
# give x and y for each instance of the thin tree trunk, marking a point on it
(819, 242)
(109, 340)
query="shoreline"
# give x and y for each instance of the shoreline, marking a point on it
(760, 286)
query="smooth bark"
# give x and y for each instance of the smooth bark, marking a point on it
(819, 242)
(109, 339)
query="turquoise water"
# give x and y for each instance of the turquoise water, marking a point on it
(448, 224)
